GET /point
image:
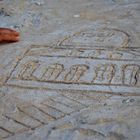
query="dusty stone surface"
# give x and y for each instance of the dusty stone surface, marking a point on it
(75, 74)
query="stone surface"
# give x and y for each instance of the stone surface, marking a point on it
(75, 74)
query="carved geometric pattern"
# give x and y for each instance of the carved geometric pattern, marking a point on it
(77, 69)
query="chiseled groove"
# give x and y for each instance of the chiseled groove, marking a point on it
(73, 100)
(125, 94)
(61, 111)
(127, 60)
(60, 103)
(45, 112)
(31, 116)
(90, 132)
(15, 66)
(25, 125)
(54, 108)
(6, 130)
(77, 100)
(84, 94)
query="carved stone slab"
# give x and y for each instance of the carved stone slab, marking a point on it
(78, 68)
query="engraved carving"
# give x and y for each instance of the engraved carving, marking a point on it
(27, 70)
(104, 74)
(72, 51)
(87, 69)
(131, 75)
(38, 73)
(99, 37)
(52, 72)
(75, 73)
(117, 78)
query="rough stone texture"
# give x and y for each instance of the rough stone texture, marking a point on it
(75, 74)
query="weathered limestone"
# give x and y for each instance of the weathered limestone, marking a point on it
(75, 74)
